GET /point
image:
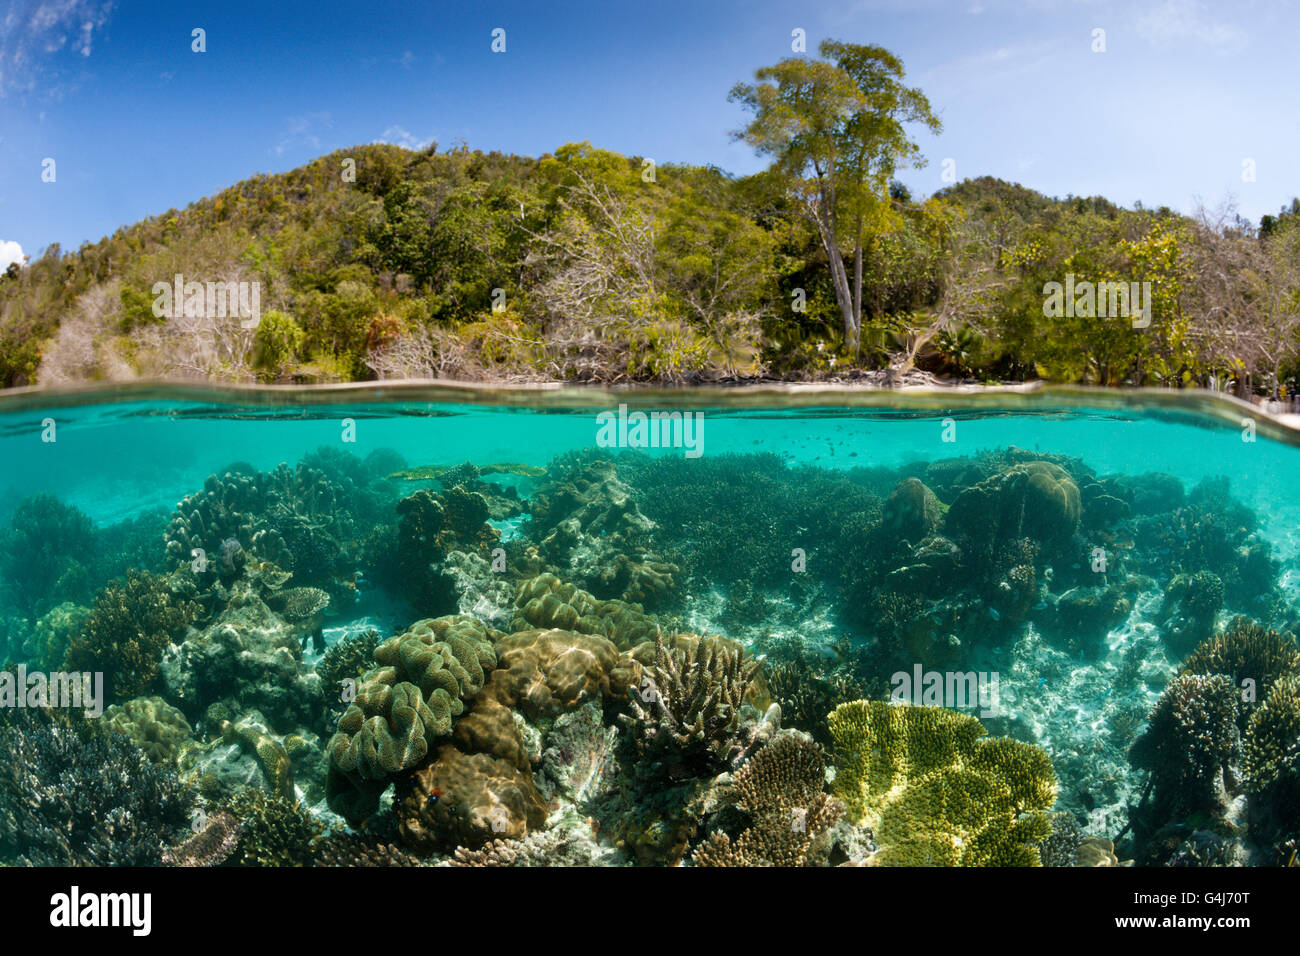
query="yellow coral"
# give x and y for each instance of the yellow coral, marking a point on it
(934, 792)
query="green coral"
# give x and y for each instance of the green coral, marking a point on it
(934, 792)
(404, 705)
(153, 725)
(128, 629)
(273, 830)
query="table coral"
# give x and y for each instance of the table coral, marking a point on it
(934, 792)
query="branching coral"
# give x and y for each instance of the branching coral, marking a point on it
(72, 797)
(687, 712)
(1271, 764)
(781, 788)
(273, 830)
(127, 631)
(934, 792)
(1247, 652)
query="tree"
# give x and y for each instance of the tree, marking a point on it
(836, 129)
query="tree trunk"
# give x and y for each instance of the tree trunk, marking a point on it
(840, 277)
(857, 285)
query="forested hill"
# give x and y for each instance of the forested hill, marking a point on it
(585, 265)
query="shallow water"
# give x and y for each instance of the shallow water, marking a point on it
(115, 460)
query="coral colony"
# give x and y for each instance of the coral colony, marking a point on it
(612, 659)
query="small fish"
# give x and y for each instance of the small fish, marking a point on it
(434, 795)
(993, 613)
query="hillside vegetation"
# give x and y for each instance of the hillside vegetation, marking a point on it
(585, 265)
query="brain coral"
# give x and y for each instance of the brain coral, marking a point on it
(934, 792)
(404, 705)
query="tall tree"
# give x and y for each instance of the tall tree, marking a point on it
(836, 128)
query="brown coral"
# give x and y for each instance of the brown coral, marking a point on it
(466, 800)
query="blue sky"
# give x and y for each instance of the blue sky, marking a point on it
(1185, 92)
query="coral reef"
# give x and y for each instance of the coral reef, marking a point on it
(1246, 652)
(211, 845)
(545, 601)
(466, 800)
(273, 831)
(935, 792)
(1190, 744)
(1271, 766)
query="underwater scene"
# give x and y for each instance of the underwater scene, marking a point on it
(647, 629)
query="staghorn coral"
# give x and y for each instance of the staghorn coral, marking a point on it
(211, 845)
(73, 797)
(687, 713)
(935, 792)
(404, 705)
(153, 725)
(545, 602)
(131, 624)
(781, 788)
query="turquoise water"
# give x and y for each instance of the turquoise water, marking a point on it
(642, 536)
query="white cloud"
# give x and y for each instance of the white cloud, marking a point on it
(1176, 21)
(398, 136)
(32, 31)
(304, 130)
(10, 251)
